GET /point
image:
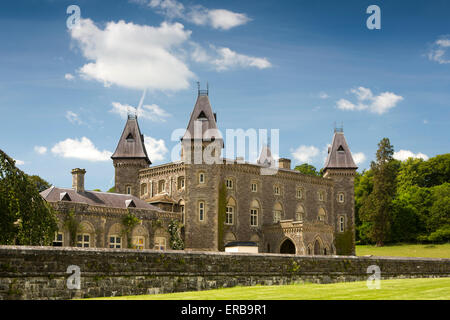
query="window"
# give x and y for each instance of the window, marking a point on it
(254, 187)
(161, 186)
(201, 210)
(201, 177)
(254, 212)
(299, 213)
(277, 212)
(143, 189)
(180, 183)
(229, 215)
(160, 243)
(128, 190)
(59, 239)
(341, 223)
(341, 197)
(299, 193)
(115, 241)
(321, 215)
(321, 196)
(276, 190)
(138, 242)
(229, 183)
(83, 240)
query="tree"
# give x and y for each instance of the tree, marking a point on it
(376, 208)
(25, 217)
(40, 183)
(308, 169)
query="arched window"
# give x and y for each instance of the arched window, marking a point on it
(321, 215)
(85, 238)
(139, 237)
(230, 211)
(254, 213)
(341, 197)
(277, 212)
(143, 189)
(299, 213)
(299, 193)
(201, 177)
(114, 236)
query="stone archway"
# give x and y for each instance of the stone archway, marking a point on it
(317, 248)
(287, 247)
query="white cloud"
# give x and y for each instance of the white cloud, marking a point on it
(438, 51)
(82, 149)
(403, 155)
(19, 162)
(359, 157)
(40, 149)
(73, 117)
(151, 112)
(323, 95)
(223, 59)
(199, 15)
(305, 153)
(69, 76)
(368, 101)
(156, 149)
(134, 56)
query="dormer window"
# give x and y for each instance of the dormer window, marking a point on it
(340, 149)
(130, 203)
(130, 138)
(202, 116)
(64, 196)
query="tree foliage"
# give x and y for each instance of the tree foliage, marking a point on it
(25, 217)
(308, 169)
(420, 207)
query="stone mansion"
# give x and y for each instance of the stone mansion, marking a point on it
(282, 212)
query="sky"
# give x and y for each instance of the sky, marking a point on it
(67, 81)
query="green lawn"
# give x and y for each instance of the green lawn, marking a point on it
(403, 289)
(407, 250)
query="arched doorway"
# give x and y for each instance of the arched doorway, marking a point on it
(287, 247)
(317, 248)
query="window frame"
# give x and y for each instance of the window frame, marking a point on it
(115, 244)
(201, 210)
(254, 216)
(201, 177)
(55, 239)
(341, 194)
(81, 243)
(254, 183)
(136, 245)
(157, 244)
(229, 214)
(341, 223)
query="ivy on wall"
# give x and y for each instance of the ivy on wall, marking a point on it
(72, 225)
(129, 221)
(175, 241)
(221, 212)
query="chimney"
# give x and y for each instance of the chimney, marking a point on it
(78, 179)
(284, 163)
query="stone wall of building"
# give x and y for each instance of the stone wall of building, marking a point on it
(41, 272)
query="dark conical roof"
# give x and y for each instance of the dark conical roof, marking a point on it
(265, 157)
(131, 144)
(204, 118)
(339, 154)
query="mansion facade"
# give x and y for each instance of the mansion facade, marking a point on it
(282, 212)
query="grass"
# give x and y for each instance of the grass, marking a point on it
(400, 289)
(406, 250)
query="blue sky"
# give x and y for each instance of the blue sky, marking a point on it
(297, 66)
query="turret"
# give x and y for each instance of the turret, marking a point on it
(130, 157)
(340, 167)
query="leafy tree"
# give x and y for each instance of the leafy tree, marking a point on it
(97, 190)
(376, 208)
(174, 229)
(25, 217)
(40, 183)
(112, 189)
(308, 169)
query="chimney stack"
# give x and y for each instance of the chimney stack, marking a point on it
(78, 179)
(284, 163)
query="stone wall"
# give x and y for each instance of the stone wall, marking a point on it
(40, 272)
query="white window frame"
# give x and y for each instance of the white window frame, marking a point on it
(276, 190)
(255, 185)
(128, 189)
(82, 243)
(299, 193)
(341, 194)
(55, 240)
(115, 244)
(254, 213)
(277, 214)
(160, 243)
(341, 223)
(201, 178)
(201, 210)
(229, 183)
(137, 243)
(229, 215)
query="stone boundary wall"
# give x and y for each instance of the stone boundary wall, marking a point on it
(40, 272)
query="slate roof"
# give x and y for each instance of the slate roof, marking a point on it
(205, 118)
(131, 143)
(107, 199)
(265, 157)
(339, 154)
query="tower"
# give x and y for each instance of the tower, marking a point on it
(340, 167)
(130, 157)
(202, 142)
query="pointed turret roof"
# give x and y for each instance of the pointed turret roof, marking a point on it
(131, 143)
(339, 154)
(203, 117)
(265, 157)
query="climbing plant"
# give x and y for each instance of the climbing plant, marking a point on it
(221, 213)
(72, 225)
(129, 221)
(175, 241)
